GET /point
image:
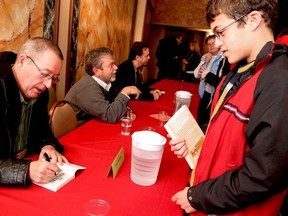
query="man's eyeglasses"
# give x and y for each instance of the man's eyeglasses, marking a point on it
(110, 66)
(44, 75)
(219, 33)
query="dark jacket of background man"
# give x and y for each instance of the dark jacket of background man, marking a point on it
(126, 76)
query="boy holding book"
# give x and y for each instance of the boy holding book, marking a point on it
(242, 167)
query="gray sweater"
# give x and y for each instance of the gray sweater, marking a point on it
(87, 97)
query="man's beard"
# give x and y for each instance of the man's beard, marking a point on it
(113, 79)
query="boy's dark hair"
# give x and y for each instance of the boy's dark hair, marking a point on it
(236, 9)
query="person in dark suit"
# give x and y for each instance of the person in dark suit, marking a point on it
(129, 72)
(168, 56)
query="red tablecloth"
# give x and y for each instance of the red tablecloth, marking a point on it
(95, 145)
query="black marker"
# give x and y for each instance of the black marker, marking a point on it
(47, 159)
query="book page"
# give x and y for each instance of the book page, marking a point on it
(61, 179)
(182, 125)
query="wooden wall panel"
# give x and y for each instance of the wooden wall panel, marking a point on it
(104, 23)
(19, 21)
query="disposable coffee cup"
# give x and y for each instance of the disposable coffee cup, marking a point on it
(147, 151)
(182, 98)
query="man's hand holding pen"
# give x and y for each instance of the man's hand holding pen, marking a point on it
(43, 170)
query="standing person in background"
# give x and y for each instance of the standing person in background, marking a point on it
(168, 55)
(190, 62)
(242, 166)
(24, 120)
(129, 72)
(210, 71)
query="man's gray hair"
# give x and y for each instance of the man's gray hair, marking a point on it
(36, 46)
(94, 59)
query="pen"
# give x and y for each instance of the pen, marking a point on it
(47, 159)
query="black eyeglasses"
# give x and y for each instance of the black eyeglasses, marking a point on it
(44, 75)
(219, 33)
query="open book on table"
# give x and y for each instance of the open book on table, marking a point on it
(62, 178)
(182, 125)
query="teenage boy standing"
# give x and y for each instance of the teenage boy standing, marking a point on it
(242, 168)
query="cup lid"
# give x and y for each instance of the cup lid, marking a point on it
(183, 94)
(148, 140)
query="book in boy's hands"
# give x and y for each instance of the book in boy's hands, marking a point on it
(62, 178)
(182, 125)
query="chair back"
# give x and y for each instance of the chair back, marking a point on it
(62, 118)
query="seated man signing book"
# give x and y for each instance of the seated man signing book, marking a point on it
(24, 120)
(129, 72)
(94, 94)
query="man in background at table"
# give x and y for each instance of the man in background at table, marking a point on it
(129, 72)
(94, 95)
(242, 166)
(24, 120)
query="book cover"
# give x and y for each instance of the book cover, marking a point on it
(182, 125)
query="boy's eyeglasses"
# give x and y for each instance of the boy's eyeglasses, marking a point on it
(219, 33)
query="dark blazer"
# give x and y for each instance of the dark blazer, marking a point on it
(13, 171)
(193, 59)
(125, 76)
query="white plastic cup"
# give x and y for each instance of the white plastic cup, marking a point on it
(96, 207)
(182, 98)
(147, 151)
(126, 124)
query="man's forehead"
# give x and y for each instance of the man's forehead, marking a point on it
(145, 51)
(107, 58)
